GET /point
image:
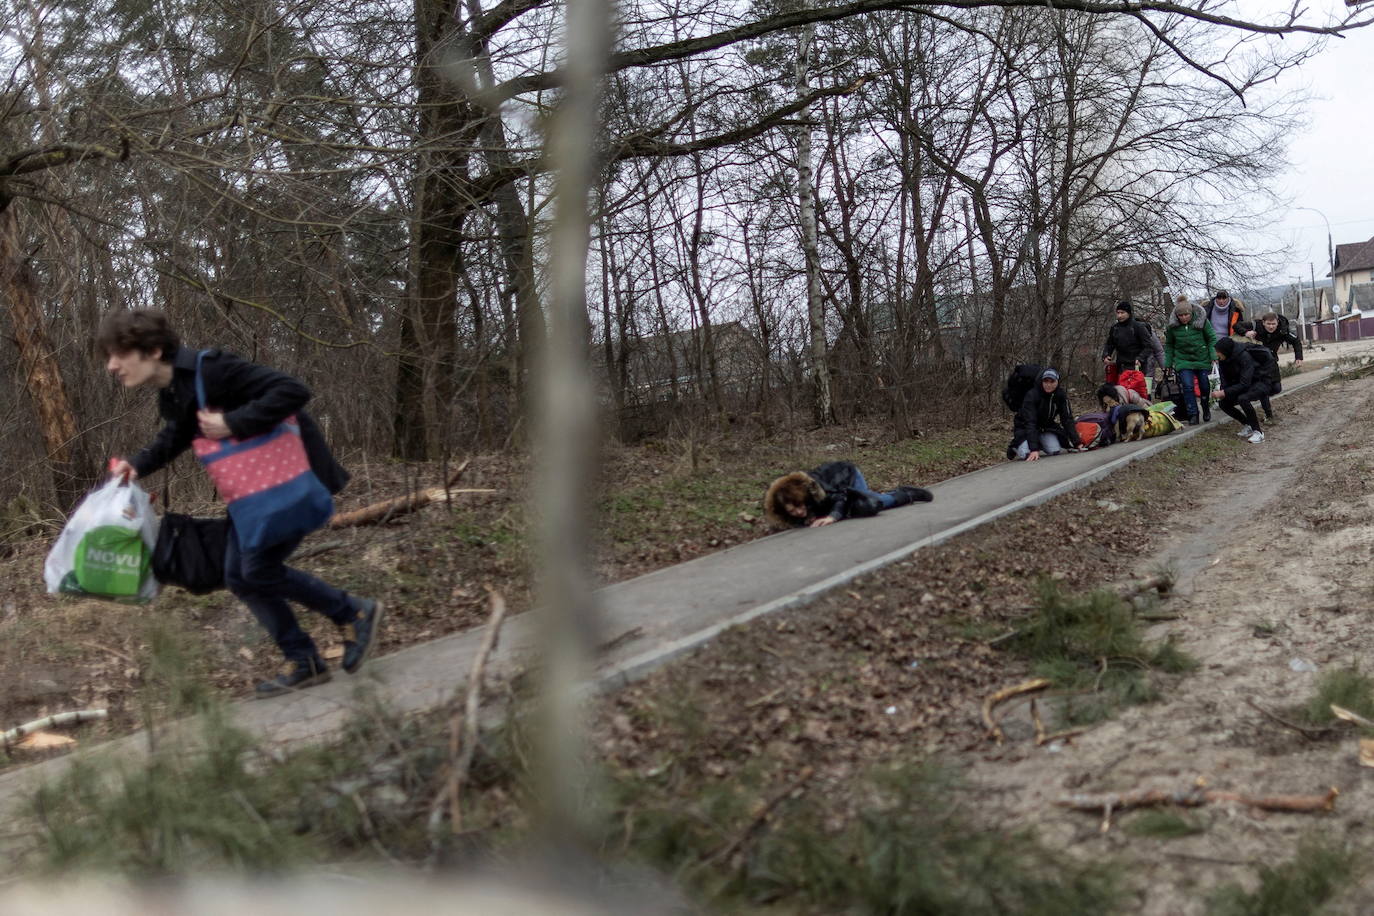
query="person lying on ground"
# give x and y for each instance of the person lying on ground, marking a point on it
(1109, 396)
(1243, 380)
(243, 400)
(1189, 342)
(831, 493)
(1044, 424)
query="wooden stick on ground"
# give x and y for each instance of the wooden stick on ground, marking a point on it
(1041, 738)
(390, 508)
(1311, 734)
(1194, 797)
(468, 743)
(1348, 715)
(1001, 696)
(463, 733)
(62, 718)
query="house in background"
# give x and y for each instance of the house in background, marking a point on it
(1353, 276)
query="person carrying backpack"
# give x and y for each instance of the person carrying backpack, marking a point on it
(241, 401)
(1021, 380)
(1044, 424)
(1130, 344)
(1245, 376)
(1189, 343)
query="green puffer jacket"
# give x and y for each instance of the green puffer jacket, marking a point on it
(1190, 346)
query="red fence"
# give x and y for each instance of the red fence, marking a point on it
(1351, 329)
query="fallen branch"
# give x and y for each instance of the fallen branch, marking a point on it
(470, 710)
(616, 642)
(463, 730)
(1194, 797)
(61, 718)
(1041, 738)
(1311, 734)
(387, 509)
(1340, 712)
(1001, 696)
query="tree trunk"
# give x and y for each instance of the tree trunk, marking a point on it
(42, 371)
(822, 409)
(428, 321)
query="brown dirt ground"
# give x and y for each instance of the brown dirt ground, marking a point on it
(1269, 546)
(896, 665)
(662, 503)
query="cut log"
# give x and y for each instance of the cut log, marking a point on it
(61, 718)
(388, 509)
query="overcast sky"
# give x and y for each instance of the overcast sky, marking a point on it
(1332, 159)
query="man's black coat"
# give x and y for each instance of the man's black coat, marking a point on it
(254, 400)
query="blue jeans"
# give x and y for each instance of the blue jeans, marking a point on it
(887, 499)
(1046, 441)
(262, 580)
(1185, 384)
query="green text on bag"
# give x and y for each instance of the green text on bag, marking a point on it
(111, 560)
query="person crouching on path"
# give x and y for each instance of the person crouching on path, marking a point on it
(1241, 382)
(142, 350)
(831, 493)
(1044, 424)
(1189, 343)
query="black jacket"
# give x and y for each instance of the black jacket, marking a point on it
(254, 400)
(1282, 335)
(1247, 370)
(1040, 412)
(831, 489)
(1132, 341)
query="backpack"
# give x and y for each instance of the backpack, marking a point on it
(1134, 380)
(1266, 366)
(1094, 429)
(1021, 380)
(190, 552)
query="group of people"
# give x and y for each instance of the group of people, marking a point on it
(1245, 354)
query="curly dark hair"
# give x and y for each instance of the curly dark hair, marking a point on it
(144, 330)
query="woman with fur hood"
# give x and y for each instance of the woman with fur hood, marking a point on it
(1189, 343)
(831, 493)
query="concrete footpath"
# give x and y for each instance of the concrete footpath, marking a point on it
(655, 617)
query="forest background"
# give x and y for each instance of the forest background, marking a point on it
(799, 214)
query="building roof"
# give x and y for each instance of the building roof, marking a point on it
(1354, 256)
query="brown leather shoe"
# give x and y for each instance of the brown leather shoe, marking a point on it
(296, 676)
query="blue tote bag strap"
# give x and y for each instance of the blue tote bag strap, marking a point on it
(200, 382)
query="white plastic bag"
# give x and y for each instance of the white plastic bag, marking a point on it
(106, 549)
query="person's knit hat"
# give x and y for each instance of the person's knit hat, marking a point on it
(1049, 373)
(1226, 347)
(1125, 306)
(1222, 294)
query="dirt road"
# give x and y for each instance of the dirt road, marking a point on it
(1275, 588)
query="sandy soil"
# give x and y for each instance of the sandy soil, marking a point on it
(1274, 575)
